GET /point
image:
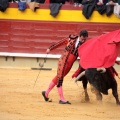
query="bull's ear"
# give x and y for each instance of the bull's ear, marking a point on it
(73, 36)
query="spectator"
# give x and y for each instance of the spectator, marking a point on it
(112, 2)
(13, 1)
(77, 3)
(101, 6)
(110, 7)
(38, 1)
(58, 1)
(116, 10)
(88, 8)
(118, 1)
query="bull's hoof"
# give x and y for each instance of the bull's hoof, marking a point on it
(118, 103)
(94, 90)
(87, 99)
(99, 97)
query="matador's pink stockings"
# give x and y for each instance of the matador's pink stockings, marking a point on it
(50, 87)
(60, 92)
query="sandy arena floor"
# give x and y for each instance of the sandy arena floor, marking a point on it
(19, 100)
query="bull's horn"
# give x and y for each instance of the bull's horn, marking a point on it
(79, 76)
(103, 70)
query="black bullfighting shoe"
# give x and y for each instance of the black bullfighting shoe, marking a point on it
(62, 102)
(45, 98)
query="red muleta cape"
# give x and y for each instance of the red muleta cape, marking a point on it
(101, 51)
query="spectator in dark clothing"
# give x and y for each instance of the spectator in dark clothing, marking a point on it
(58, 1)
(101, 6)
(118, 1)
(38, 1)
(13, 1)
(88, 2)
(88, 8)
(110, 7)
(112, 2)
(101, 2)
(77, 2)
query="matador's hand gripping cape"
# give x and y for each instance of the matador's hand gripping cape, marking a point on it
(101, 51)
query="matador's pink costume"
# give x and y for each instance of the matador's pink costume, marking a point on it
(67, 59)
(65, 62)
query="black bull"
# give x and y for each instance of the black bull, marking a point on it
(100, 83)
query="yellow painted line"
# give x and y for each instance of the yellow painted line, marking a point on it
(64, 15)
